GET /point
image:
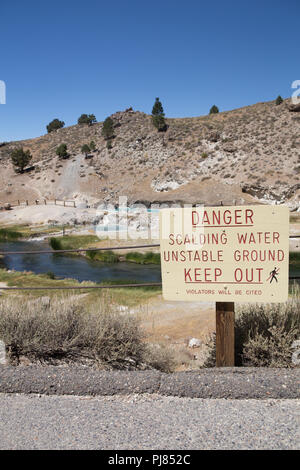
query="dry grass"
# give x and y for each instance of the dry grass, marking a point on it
(64, 330)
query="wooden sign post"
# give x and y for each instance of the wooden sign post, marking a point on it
(224, 334)
(225, 255)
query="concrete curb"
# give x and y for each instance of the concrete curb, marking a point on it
(237, 383)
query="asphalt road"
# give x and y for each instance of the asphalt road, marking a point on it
(147, 422)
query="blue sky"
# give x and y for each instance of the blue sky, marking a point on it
(64, 58)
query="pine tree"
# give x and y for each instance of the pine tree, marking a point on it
(20, 158)
(87, 119)
(54, 125)
(279, 100)
(61, 151)
(214, 109)
(85, 149)
(158, 116)
(92, 145)
(108, 129)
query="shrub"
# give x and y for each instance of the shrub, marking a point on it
(214, 109)
(62, 151)
(108, 129)
(50, 275)
(54, 125)
(55, 243)
(87, 119)
(20, 158)
(85, 149)
(279, 100)
(106, 256)
(264, 334)
(65, 331)
(92, 145)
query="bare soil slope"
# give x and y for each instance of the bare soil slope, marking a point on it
(250, 154)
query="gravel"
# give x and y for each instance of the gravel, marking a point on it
(233, 383)
(146, 422)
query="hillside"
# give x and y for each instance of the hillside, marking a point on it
(251, 154)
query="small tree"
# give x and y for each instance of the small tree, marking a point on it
(87, 119)
(158, 116)
(279, 100)
(20, 158)
(214, 109)
(62, 152)
(54, 125)
(85, 149)
(108, 129)
(92, 145)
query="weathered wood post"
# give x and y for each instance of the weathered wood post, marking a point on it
(225, 334)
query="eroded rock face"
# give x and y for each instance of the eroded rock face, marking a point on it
(161, 185)
(294, 108)
(280, 193)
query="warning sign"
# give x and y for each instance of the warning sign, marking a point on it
(225, 254)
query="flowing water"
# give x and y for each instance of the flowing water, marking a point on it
(79, 267)
(76, 267)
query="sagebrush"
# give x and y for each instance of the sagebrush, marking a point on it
(63, 330)
(264, 334)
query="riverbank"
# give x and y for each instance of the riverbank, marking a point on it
(128, 297)
(73, 242)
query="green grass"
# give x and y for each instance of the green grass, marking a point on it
(29, 279)
(72, 242)
(129, 296)
(9, 235)
(143, 258)
(106, 256)
(27, 231)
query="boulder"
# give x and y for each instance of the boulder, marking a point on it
(194, 343)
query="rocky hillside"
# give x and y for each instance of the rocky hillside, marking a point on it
(250, 154)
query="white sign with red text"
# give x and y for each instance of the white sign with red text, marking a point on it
(225, 254)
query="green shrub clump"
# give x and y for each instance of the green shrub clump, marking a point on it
(106, 256)
(8, 235)
(264, 334)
